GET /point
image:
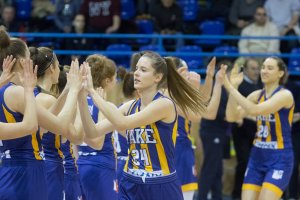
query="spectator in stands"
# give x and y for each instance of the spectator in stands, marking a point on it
(103, 16)
(41, 13)
(285, 14)
(144, 8)
(213, 134)
(168, 17)
(293, 188)
(65, 11)
(260, 27)
(243, 133)
(8, 19)
(241, 14)
(78, 43)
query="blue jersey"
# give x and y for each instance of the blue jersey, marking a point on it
(24, 148)
(105, 156)
(151, 147)
(274, 130)
(184, 131)
(52, 147)
(69, 158)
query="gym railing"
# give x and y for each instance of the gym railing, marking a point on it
(159, 41)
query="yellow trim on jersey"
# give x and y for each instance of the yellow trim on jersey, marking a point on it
(186, 126)
(161, 151)
(57, 145)
(269, 137)
(9, 117)
(149, 167)
(253, 187)
(35, 146)
(174, 132)
(189, 187)
(291, 115)
(273, 188)
(278, 130)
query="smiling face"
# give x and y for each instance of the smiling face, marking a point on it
(271, 72)
(145, 75)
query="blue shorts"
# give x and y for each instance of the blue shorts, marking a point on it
(23, 180)
(97, 182)
(270, 169)
(55, 180)
(160, 188)
(120, 168)
(72, 187)
(185, 166)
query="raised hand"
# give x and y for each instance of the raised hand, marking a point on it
(74, 77)
(7, 65)
(29, 78)
(236, 77)
(210, 69)
(221, 74)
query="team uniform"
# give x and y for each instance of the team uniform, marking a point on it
(54, 165)
(97, 168)
(22, 171)
(150, 171)
(184, 157)
(71, 176)
(271, 159)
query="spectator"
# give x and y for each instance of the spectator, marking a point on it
(286, 20)
(65, 11)
(78, 43)
(214, 137)
(8, 19)
(293, 188)
(167, 17)
(103, 16)
(241, 13)
(243, 133)
(260, 27)
(41, 10)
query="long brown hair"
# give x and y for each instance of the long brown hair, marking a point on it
(101, 68)
(184, 95)
(11, 46)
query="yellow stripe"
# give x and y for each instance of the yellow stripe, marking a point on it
(57, 145)
(35, 146)
(149, 167)
(269, 137)
(174, 132)
(11, 119)
(189, 187)
(291, 115)
(253, 187)
(273, 188)
(278, 131)
(161, 151)
(186, 126)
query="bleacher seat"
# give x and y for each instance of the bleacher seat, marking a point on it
(294, 62)
(189, 8)
(211, 28)
(226, 49)
(192, 61)
(23, 9)
(121, 60)
(127, 9)
(151, 48)
(145, 26)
